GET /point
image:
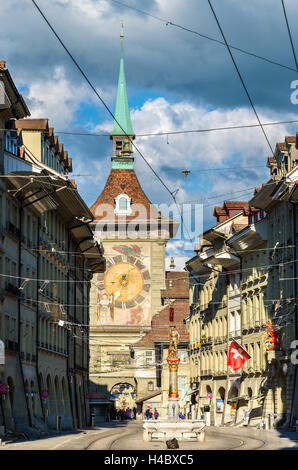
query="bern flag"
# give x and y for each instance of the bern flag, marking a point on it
(171, 313)
(237, 356)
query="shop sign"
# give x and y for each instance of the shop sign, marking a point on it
(233, 407)
(219, 405)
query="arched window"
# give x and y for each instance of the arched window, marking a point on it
(123, 204)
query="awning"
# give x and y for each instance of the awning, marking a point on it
(45, 192)
(31, 190)
(245, 397)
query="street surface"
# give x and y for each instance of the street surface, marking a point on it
(128, 436)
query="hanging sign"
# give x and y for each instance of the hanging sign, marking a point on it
(219, 406)
(233, 407)
(3, 388)
(2, 352)
(45, 394)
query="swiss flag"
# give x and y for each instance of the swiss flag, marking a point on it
(237, 356)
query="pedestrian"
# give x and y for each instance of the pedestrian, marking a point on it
(155, 414)
(147, 414)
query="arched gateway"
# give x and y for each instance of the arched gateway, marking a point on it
(123, 395)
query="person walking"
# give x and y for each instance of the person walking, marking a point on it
(155, 414)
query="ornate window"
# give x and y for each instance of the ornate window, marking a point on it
(123, 205)
(150, 386)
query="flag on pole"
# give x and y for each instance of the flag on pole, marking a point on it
(237, 356)
(171, 313)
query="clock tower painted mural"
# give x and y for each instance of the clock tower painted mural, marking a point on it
(134, 234)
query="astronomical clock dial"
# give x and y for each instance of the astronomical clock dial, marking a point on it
(124, 280)
(127, 280)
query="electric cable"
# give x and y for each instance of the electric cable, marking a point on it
(168, 22)
(241, 79)
(187, 131)
(290, 35)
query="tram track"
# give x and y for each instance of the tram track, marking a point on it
(245, 441)
(107, 435)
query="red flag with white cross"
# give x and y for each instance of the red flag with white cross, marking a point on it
(237, 356)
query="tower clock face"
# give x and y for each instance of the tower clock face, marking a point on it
(124, 280)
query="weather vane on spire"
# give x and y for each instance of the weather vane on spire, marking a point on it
(121, 35)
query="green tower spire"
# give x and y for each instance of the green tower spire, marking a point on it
(122, 113)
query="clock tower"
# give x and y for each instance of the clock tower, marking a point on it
(134, 234)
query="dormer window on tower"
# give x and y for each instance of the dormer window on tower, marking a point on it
(123, 205)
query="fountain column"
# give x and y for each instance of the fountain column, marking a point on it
(173, 361)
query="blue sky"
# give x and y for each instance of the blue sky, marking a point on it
(176, 81)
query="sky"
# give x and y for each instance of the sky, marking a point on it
(176, 81)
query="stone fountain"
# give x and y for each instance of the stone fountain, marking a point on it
(182, 429)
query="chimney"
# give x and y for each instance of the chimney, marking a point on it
(2, 64)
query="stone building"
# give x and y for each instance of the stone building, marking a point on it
(255, 301)
(215, 317)
(134, 235)
(46, 261)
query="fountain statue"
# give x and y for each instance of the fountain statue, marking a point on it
(172, 426)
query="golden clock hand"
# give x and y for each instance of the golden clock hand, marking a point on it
(118, 293)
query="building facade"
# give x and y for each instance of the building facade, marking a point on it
(46, 262)
(254, 302)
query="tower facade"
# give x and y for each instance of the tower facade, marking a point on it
(124, 299)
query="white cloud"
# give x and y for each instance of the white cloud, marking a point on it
(198, 151)
(57, 99)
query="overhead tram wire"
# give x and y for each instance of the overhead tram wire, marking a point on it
(204, 36)
(172, 193)
(289, 32)
(240, 76)
(219, 273)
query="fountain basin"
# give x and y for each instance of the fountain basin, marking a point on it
(182, 430)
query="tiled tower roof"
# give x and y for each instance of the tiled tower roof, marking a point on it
(119, 181)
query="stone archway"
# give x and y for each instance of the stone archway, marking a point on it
(124, 395)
